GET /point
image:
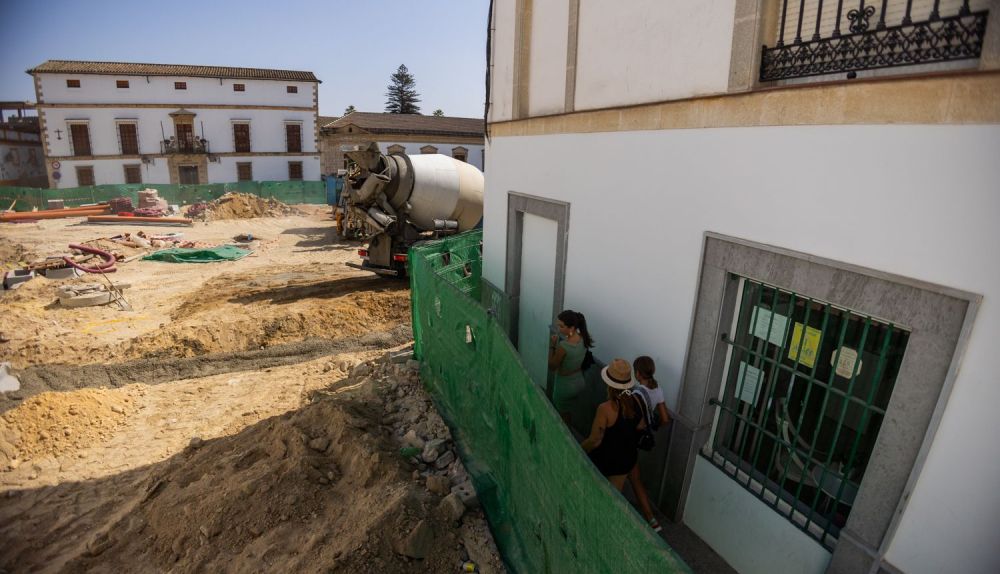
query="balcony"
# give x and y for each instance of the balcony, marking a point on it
(184, 146)
(864, 36)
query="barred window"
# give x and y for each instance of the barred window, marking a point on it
(806, 389)
(133, 173)
(295, 170)
(84, 175)
(244, 171)
(122, 84)
(292, 89)
(180, 85)
(239, 87)
(72, 83)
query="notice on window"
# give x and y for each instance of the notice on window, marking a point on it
(749, 377)
(845, 361)
(768, 326)
(809, 342)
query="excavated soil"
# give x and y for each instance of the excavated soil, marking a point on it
(246, 206)
(227, 422)
(12, 253)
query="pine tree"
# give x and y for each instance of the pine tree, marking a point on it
(402, 95)
(349, 109)
(438, 113)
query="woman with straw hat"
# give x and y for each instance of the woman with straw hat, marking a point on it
(614, 435)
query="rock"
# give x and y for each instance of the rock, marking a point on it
(480, 548)
(327, 368)
(210, 530)
(196, 442)
(417, 543)
(361, 370)
(437, 484)
(435, 446)
(319, 444)
(413, 365)
(117, 409)
(452, 507)
(444, 460)
(429, 456)
(467, 493)
(411, 439)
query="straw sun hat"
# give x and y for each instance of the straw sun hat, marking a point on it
(618, 375)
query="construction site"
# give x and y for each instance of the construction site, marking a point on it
(260, 412)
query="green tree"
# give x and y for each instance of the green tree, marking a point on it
(349, 109)
(402, 96)
(438, 113)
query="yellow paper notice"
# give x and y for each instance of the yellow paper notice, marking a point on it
(810, 345)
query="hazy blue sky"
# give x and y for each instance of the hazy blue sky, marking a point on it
(352, 46)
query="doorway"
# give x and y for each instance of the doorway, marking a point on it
(537, 231)
(187, 174)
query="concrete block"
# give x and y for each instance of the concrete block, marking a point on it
(62, 273)
(13, 279)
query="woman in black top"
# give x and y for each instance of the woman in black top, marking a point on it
(614, 435)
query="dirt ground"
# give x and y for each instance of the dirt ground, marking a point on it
(240, 417)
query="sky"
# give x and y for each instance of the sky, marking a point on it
(352, 46)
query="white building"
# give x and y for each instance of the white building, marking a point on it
(115, 122)
(414, 134)
(808, 259)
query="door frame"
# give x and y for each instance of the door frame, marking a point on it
(517, 205)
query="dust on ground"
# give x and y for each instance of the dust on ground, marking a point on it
(13, 253)
(241, 417)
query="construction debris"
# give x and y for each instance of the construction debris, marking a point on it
(138, 220)
(90, 294)
(240, 206)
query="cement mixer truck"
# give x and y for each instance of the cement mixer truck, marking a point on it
(393, 201)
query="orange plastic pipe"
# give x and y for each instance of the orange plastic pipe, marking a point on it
(53, 214)
(138, 219)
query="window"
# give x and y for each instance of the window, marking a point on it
(428, 149)
(180, 85)
(185, 137)
(133, 173)
(460, 153)
(79, 138)
(293, 137)
(241, 137)
(295, 170)
(239, 87)
(292, 89)
(128, 138)
(84, 175)
(244, 171)
(121, 84)
(804, 396)
(187, 174)
(72, 83)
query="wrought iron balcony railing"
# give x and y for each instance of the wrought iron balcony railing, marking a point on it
(174, 145)
(868, 43)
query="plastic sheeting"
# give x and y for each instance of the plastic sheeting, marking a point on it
(199, 255)
(549, 508)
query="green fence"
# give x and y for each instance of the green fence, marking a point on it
(550, 510)
(29, 198)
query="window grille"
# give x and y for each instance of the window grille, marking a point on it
(807, 387)
(293, 137)
(84, 175)
(239, 87)
(817, 38)
(80, 139)
(180, 85)
(121, 84)
(128, 137)
(244, 171)
(295, 170)
(292, 89)
(133, 174)
(241, 137)
(72, 83)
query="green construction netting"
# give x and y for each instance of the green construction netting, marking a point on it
(28, 198)
(198, 254)
(549, 508)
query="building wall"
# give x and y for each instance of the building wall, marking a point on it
(333, 156)
(111, 171)
(22, 161)
(651, 50)
(502, 61)
(635, 239)
(100, 89)
(547, 69)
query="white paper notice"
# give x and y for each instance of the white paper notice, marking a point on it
(759, 326)
(845, 362)
(751, 377)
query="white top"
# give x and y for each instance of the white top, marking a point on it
(655, 395)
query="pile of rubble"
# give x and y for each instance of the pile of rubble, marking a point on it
(240, 206)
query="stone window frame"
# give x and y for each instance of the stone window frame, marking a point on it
(233, 124)
(118, 134)
(72, 83)
(135, 166)
(72, 146)
(301, 145)
(428, 149)
(248, 165)
(460, 153)
(121, 84)
(291, 89)
(940, 321)
(292, 165)
(395, 148)
(93, 176)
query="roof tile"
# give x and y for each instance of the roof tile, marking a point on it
(137, 69)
